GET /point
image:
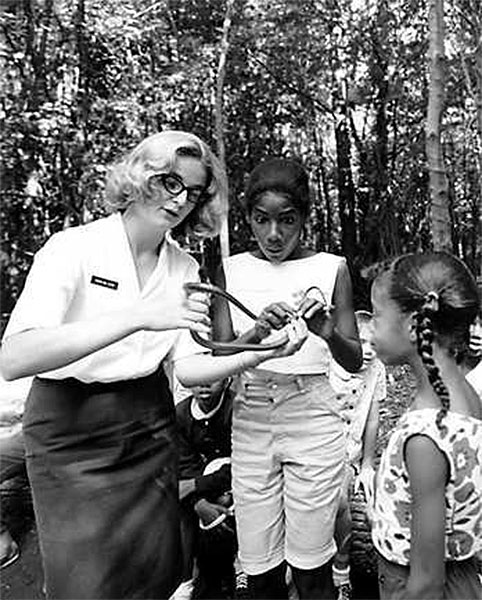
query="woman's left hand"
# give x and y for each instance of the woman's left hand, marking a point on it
(319, 317)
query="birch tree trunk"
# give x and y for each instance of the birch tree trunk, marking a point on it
(475, 91)
(440, 217)
(473, 80)
(478, 95)
(219, 111)
(346, 188)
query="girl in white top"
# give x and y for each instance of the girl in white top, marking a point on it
(288, 436)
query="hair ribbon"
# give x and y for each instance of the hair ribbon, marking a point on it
(431, 301)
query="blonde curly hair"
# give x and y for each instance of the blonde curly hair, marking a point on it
(127, 181)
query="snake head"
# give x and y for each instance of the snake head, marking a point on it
(312, 293)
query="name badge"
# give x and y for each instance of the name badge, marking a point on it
(103, 282)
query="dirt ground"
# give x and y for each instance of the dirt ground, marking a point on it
(24, 579)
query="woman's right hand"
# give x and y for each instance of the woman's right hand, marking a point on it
(274, 316)
(182, 311)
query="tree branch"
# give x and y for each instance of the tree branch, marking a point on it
(314, 102)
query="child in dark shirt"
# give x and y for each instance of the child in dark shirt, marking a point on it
(207, 524)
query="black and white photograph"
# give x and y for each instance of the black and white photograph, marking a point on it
(241, 299)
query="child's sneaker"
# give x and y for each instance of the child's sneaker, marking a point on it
(344, 592)
(184, 591)
(8, 547)
(341, 579)
(241, 589)
(290, 584)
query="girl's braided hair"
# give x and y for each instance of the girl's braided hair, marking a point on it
(442, 292)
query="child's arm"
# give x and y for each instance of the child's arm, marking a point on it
(212, 514)
(200, 369)
(366, 478)
(367, 472)
(221, 315)
(428, 473)
(370, 434)
(337, 326)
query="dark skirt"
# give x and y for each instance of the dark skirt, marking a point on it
(461, 580)
(102, 463)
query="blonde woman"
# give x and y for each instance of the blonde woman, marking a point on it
(102, 310)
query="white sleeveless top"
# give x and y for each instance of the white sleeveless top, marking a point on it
(257, 282)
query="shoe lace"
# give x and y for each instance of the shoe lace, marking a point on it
(241, 580)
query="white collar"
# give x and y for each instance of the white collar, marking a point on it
(199, 415)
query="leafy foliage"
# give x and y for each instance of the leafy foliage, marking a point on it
(339, 85)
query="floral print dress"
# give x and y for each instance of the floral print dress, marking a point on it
(461, 443)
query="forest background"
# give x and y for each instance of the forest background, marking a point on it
(345, 86)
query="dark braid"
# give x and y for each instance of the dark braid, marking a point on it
(425, 337)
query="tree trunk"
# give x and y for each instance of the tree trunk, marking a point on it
(346, 189)
(440, 217)
(219, 110)
(36, 44)
(478, 202)
(322, 206)
(475, 91)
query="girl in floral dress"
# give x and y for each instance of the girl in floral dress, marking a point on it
(427, 513)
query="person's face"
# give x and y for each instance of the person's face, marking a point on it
(277, 226)
(172, 196)
(390, 328)
(207, 396)
(366, 340)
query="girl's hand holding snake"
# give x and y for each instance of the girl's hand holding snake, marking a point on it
(274, 316)
(318, 315)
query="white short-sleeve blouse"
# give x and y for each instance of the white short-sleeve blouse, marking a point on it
(87, 271)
